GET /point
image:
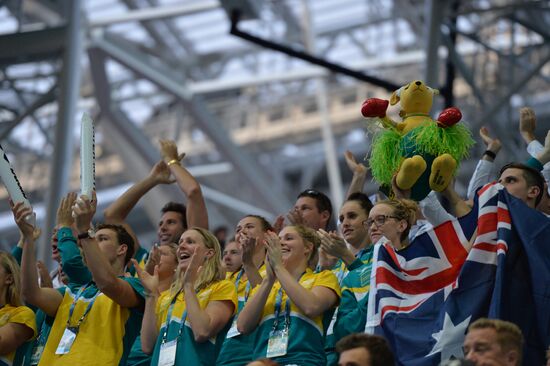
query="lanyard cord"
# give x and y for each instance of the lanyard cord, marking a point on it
(278, 303)
(86, 312)
(169, 318)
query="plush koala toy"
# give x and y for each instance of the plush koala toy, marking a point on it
(422, 152)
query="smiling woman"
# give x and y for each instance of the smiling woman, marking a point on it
(17, 323)
(393, 220)
(287, 309)
(197, 308)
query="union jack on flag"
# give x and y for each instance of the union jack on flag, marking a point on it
(423, 297)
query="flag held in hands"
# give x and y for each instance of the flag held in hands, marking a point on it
(423, 297)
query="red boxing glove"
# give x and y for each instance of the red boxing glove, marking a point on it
(449, 117)
(374, 107)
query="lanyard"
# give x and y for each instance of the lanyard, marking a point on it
(88, 308)
(278, 303)
(169, 317)
(246, 289)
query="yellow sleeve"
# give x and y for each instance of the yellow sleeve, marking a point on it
(224, 290)
(327, 279)
(25, 316)
(161, 308)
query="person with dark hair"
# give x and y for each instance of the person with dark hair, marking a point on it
(96, 322)
(221, 234)
(364, 350)
(353, 269)
(523, 182)
(312, 209)
(250, 234)
(493, 342)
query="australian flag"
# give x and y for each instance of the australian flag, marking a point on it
(494, 262)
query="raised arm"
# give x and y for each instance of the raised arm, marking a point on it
(484, 172)
(105, 274)
(359, 174)
(207, 322)
(527, 124)
(149, 331)
(71, 258)
(196, 213)
(251, 314)
(459, 206)
(117, 211)
(312, 302)
(46, 299)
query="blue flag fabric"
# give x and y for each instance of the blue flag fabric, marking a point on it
(424, 312)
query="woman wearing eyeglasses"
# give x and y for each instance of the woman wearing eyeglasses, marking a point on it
(287, 308)
(393, 220)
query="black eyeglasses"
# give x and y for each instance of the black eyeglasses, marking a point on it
(378, 220)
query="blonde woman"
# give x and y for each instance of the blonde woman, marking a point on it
(17, 322)
(166, 258)
(186, 325)
(288, 307)
(393, 220)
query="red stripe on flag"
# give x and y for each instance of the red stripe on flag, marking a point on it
(504, 215)
(452, 246)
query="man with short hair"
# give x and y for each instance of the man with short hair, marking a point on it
(359, 349)
(523, 182)
(493, 342)
(232, 257)
(312, 209)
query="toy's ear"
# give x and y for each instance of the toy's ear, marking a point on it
(394, 99)
(434, 91)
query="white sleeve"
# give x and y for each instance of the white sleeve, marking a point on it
(534, 148)
(433, 211)
(483, 174)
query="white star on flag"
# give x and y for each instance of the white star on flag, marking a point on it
(449, 340)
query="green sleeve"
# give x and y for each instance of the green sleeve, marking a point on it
(352, 315)
(534, 163)
(71, 259)
(17, 253)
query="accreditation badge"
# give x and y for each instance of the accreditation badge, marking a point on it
(233, 331)
(66, 342)
(278, 343)
(167, 354)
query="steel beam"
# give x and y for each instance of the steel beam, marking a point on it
(32, 46)
(63, 147)
(46, 98)
(161, 75)
(513, 89)
(464, 70)
(307, 56)
(435, 10)
(156, 13)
